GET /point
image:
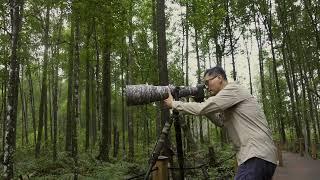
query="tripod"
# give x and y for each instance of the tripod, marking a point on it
(163, 137)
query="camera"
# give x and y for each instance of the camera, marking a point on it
(144, 94)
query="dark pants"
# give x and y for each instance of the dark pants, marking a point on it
(255, 169)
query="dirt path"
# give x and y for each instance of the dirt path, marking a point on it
(297, 168)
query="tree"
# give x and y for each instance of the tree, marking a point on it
(16, 8)
(68, 145)
(130, 80)
(76, 94)
(106, 90)
(43, 101)
(88, 102)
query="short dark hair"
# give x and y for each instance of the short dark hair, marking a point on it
(216, 71)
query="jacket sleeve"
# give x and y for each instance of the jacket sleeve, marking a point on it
(216, 118)
(226, 98)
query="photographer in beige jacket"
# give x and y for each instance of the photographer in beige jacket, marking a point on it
(243, 119)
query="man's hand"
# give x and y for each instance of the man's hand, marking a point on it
(168, 101)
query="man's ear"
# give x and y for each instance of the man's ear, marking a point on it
(221, 79)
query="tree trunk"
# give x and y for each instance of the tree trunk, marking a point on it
(115, 125)
(23, 110)
(50, 111)
(55, 105)
(187, 44)
(310, 100)
(31, 99)
(96, 88)
(4, 106)
(43, 100)
(162, 63)
(249, 65)
(199, 80)
(76, 93)
(13, 85)
(123, 105)
(88, 112)
(261, 63)
(285, 46)
(55, 91)
(106, 98)
(154, 55)
(130, 80)
(300, 58)
(279, 98)
(230, 35)
(187, 119)
(2, 110)
(68, 144)
(293, 105)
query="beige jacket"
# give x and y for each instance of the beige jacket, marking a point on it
(243, 118)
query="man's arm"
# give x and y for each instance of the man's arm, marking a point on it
(226, 98)
(196, 108)
(216, 118)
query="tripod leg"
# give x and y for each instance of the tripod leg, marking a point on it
(158, 147)
(179, 143)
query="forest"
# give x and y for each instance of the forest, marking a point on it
(65, 64)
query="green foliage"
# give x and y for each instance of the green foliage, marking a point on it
(294, 31)
(90, 168)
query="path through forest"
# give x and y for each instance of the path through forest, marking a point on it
(296, 167)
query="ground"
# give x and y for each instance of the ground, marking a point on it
(296, 167)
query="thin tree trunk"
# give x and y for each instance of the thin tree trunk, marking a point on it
(5, 104)
(162, 54)
(13, 87)
(88, 112)
(50, 111)
(68, 145)
(249, 65)
(31, 99)
(76, 92)
(43, 101)
(45, 115)
(96, 89)
(230, 35)
(130, 80)
(292, 69)
(300, 58)
(315, 100)
(293, 104)
(163, 71)
(154, 55)
(123, 105)
(187, 69)
(279, 98)
(106, 99)
(23, 110)
(115, 125)
(2, 110)
(281, 11)
(199, 80)
(55, 105)
(310, 101)
(187, 44)
(261, 63)
(55, 91)
(25, 114)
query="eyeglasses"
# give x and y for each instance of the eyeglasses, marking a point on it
(206, 82)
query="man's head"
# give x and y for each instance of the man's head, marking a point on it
(215, 79)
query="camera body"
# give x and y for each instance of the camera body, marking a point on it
(145, 94)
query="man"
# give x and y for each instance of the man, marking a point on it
(244, 121)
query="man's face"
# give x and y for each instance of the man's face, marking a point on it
(213, 83)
